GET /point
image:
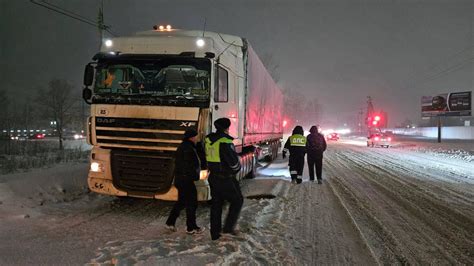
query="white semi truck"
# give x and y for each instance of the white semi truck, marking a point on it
(146, 90)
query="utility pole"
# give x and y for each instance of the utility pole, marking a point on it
(370, 114)
(100, 23)
(359, 120)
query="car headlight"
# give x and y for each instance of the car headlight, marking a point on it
(96, 167)
(203, 175)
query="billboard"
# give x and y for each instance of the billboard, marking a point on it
(447, 104)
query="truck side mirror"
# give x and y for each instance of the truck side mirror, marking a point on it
(88, 75)
(87, 95)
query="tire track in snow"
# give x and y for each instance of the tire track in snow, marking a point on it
(320, 230)
(368, 181)
(450, 229)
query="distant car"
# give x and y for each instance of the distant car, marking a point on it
(73, 136)
(38, 136)
(332, 136)
(18, 137)
(378, 139)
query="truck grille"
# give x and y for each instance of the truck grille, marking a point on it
(141, 171)
(148, 134)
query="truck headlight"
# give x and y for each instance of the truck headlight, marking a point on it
(96, 167)
(203, 175)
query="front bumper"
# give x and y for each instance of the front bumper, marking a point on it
(102, 182)
(106, 187)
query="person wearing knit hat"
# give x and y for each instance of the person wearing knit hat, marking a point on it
(315, 147)
(222, 124)
(190, 133)
(224, 164)
(187, 170)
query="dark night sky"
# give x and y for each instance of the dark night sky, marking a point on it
(338, 51)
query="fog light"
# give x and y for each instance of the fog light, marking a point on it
(96, 167)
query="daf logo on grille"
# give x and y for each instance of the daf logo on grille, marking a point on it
(106, 120)
(187, 124)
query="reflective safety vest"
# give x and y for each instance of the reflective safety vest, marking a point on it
(213, 149)
(297, 140)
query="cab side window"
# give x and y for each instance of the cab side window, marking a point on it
(221, 94)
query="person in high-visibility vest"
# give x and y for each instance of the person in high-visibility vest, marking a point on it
(223, 164)
(296, 145)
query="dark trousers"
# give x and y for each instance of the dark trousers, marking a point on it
(296, 166)
(315, 161)
(224, 189)
(187, 198)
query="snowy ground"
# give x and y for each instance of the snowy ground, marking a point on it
(412, 203)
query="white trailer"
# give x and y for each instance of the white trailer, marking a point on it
(147, 89)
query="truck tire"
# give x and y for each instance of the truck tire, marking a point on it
(253, 165)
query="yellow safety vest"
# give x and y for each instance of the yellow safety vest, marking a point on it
(212, 149)
(297, 140)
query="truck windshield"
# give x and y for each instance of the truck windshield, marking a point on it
(152, 80)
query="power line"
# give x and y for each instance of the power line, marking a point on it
(441, 71)
(72, 15)
(444, 72)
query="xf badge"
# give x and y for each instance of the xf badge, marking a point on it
(187, 124)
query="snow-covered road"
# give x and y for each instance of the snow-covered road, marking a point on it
(410, 206)
(376, 206)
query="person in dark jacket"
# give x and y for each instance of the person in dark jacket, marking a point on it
(224, 164)
(187, 170)
(296, 145)
(315, 147)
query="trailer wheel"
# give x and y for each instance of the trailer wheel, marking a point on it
(253, 165)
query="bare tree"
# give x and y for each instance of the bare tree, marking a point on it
(313, 111)
(56, 102)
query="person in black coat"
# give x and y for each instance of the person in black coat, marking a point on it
(187, 170)
(224, 164)
(315, 147)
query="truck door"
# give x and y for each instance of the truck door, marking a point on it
(225, 99)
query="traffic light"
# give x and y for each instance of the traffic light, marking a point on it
(375, 120)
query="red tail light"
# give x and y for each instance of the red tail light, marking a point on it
(389, 139)
(376, 138)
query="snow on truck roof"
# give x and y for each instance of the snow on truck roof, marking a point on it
(216, 37)
(173, 41)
